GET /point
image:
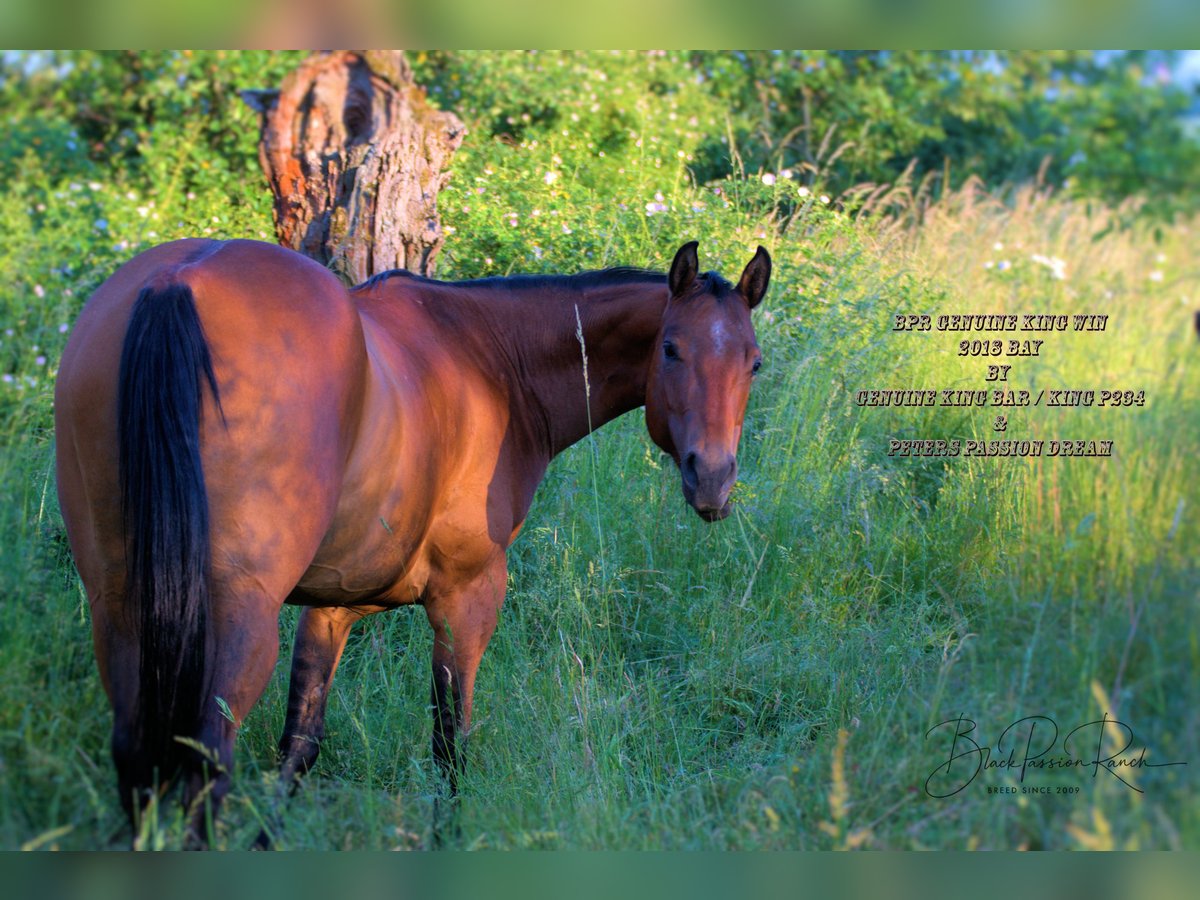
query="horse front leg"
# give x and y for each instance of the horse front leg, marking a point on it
(463, 618)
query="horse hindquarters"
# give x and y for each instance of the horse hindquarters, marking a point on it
(265, 463)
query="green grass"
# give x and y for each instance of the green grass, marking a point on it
(656, 682)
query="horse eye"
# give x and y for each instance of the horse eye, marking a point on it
(757, 365)
(670, 351)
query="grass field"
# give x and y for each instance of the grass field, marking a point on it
(767, 682)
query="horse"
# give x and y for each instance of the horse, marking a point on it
(237, 430)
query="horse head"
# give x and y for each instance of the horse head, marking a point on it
(701, 370)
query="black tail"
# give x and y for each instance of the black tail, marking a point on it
(165, 364)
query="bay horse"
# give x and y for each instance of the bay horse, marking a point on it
(237, 430)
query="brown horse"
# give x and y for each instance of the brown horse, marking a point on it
(236, 431)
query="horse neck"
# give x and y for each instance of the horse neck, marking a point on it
(540, 341)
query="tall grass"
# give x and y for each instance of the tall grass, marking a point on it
(767, 682)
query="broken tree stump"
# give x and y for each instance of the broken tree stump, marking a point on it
(355, 157)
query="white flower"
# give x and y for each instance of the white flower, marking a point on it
(550, 177)
(94, 185)
(652, 208)
(997, 246)
(566, 229)
(1057, 267)
(39, 291)
(989, 264)
(824, 198)
(1004, 265)
(1162, 258)
(802, 191)
(768, 178)
(786, 173)
(1156, 275)
(143, 211)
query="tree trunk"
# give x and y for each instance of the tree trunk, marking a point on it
(355, 157)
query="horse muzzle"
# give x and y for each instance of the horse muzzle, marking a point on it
(707, 482)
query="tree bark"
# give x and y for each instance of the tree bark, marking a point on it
(355, 157)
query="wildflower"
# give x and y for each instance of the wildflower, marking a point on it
(39, 291)
(191, 195)
(132, 195)
(487, 260)
(75, 186)
(697, 207)
(40, 361)
(989, 264)
(1003, 266)
(550, 177)
(8, 379)
(537, 252)
(824, 198)
(450, 229)
(94, 186)
(786, 173)
(997, 246)
(803, 191)
(143, 211)
(1156, 275)
(652, 208)
(768, 179)
(1162, 258)
(1057, 267)
(63, 328)
(566, 229)
(100, 224)
(216, 219)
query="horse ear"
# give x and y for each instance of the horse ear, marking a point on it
(684, 269)
(756, 278)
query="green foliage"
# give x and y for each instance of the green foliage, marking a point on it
(657, 682)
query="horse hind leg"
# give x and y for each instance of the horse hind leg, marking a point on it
(321, 636)
(245, 648)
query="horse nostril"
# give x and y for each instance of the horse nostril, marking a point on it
(688, 469)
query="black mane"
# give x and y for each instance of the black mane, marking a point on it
(710, 282)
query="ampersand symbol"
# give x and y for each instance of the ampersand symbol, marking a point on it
(1001, 423)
